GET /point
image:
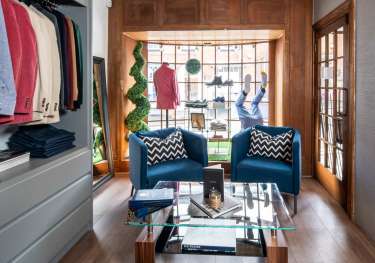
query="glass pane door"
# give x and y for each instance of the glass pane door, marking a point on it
(332, 113)
(332, 101)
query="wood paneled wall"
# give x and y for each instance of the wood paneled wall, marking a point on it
(280, 76)
(293, 16)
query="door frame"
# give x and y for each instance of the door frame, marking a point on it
(347, 9)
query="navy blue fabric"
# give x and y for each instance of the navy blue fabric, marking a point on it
(240, 148)
(196, 147)
(177, 170)
(253, 169)
(41, 141)
(163, 133)
(264, 170)
(273, 130)
(138, 162)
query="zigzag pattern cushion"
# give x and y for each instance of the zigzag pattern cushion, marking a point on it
(276, 147)
(161, 150)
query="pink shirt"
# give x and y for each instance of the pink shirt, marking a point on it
(166, 87)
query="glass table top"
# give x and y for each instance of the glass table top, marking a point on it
(260, 206)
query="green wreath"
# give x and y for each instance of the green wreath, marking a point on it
(135, 120)
(193, 66)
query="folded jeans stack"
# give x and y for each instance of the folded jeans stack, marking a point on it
(42, 141)
(196, 104)
(218, 125)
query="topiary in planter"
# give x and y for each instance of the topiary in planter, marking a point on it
(135, 120)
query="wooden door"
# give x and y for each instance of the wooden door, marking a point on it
(332, 112)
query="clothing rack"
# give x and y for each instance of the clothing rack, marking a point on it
(57, 3)
(49, 3)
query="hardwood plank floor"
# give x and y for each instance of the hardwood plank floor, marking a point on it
(324, 232)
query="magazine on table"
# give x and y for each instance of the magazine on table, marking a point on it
(210, 239)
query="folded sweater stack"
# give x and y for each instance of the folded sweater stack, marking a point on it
(42, 141)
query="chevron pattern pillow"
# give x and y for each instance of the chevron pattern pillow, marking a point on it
(161, 150)
(277, 147)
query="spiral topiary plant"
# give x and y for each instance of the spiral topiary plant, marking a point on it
(134, 122)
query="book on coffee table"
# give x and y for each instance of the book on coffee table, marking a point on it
(210, 240)
(230, 204)
(151, 198)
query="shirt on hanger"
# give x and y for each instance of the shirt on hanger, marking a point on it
(78, 42)
(44, 74)
(52, 106)
(14, 38)
(29, 66)
(73, 55)
(54, 20)
(64, 55)
(7, 85)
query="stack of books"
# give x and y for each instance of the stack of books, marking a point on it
(210, 240)
(10, 159)
(145, 202)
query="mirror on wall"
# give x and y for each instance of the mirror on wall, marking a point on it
(102, 153)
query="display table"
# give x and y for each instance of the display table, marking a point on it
(257, 226)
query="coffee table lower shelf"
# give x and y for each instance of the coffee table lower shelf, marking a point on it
(153, 239)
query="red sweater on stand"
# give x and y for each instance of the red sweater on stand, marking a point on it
(166, 87)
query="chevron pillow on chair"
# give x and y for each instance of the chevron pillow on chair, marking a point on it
(161, 150)
(276, 147)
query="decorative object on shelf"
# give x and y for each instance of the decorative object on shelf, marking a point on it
(193, 66)
(134, 120)
(214, 199)
(218, 103)
(102, 153)
(198, 121)
(213, 178)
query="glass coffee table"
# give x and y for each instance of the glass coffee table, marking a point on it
(255, 228)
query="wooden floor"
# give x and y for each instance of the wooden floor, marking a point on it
(324, 232)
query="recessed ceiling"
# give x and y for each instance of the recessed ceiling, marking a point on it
(206, 36)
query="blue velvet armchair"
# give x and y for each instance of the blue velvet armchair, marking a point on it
(287, 176)
(191, 169)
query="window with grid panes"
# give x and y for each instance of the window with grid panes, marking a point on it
(231, 62)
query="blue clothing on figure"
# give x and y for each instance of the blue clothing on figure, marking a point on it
(7, 85)
(252, 117)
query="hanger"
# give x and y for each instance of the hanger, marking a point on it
(45, 3)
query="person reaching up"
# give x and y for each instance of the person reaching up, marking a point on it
(252, 116)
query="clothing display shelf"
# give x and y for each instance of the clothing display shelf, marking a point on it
(52, 196)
